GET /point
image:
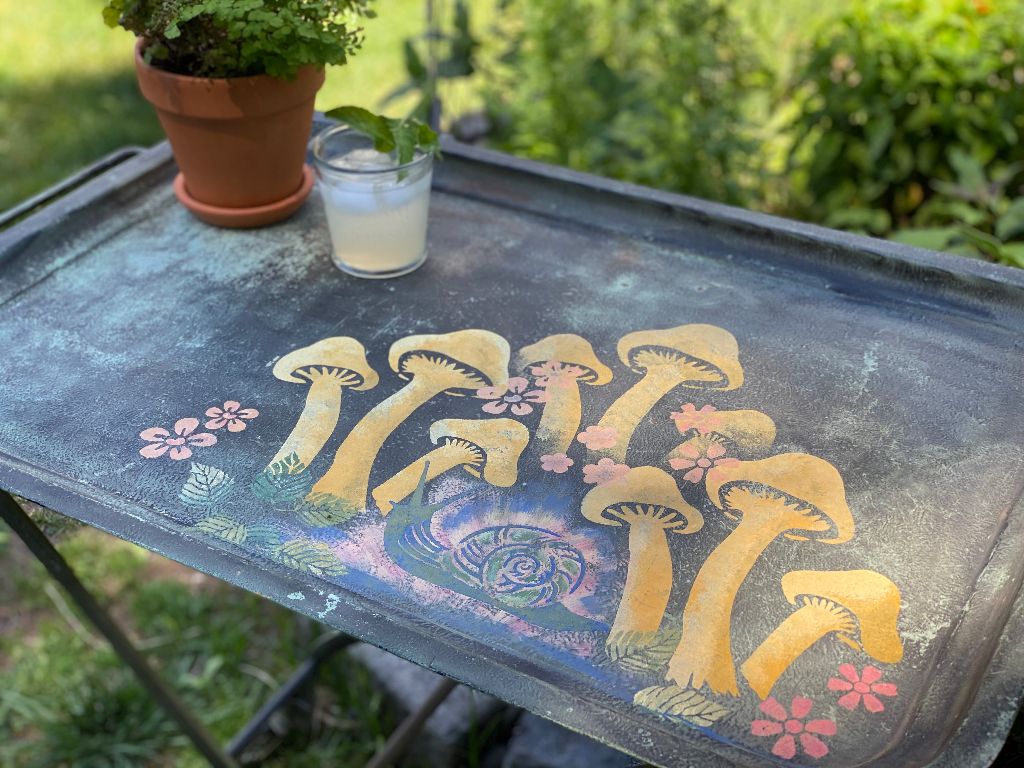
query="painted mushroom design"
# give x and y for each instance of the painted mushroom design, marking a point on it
(648, 501)
(328, 366)
(454, 362)
(563, 410)
(795, 495)
(860, 607)
(742, 432)
(696, 356)
(488, 448)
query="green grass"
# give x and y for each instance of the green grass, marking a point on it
(66, 700)
(68, 92)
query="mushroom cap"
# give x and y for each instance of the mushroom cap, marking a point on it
(800, 476)
(708, 344)
(333, 352)
(642, 486)
(750, 430)
(566, 348)
(484, 352)
(501, 440)
(868, 595)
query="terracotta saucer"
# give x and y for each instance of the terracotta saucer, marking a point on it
(239, 218)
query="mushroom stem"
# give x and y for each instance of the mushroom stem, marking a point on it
(399, 486)
(804, 627)
(625, 414)
(704, 654)
(648, 575)
(347, 479)
(318, 419)
(560, 421)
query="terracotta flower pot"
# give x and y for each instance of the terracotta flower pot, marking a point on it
(240, 142)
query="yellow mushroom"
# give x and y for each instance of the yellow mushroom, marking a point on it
(742, 432)
(697, 356)
(648, 501)
(860, 607)
(483, 447)
(793, 495)
(457, 363)
(328, 366)
(563, 410)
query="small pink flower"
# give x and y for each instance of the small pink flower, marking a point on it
(555, 462)
(863, 686)
(180, 446)
(555, 374)
(231, 415)
(705, 421)
(605, 471)
(596, 438)
(698, 458)
(790, 725)
(513, 395)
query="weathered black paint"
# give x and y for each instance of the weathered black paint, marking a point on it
(903, 369)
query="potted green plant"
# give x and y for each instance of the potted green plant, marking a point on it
(233, 83)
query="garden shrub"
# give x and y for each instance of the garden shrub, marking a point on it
(641, 90)
(891, 92)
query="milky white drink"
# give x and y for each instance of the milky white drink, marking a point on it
(376, 209)
(378, 223)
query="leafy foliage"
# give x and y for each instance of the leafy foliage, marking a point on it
(642, 90)
(643, 653)
(680, 704)
(323, 509)
(973, 216)
(892, 92)
(456, 58)
(390, 134)
(223, 527)
(206, 487)
(232, 38)
(284, 483)
(315, 557)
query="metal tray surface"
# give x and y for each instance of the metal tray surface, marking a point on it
(712, 487)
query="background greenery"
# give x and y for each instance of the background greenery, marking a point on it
(899, 118)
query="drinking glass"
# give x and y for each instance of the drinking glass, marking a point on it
(376, 207)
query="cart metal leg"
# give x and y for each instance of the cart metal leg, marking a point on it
(59, 569)
(291, 689)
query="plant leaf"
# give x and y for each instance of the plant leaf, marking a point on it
(323, 509)
(1011, 223)
(206, 486)
(374, 126)
(314, 557)
(640, 652)
(935, 238)
(265, 536)
(224, 528)
(283, 483)
(678, 703)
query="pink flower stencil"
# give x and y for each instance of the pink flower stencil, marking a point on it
(698, 459)
(704, 420)
(231, 416)
(180, 446)
(555, 374)
(605, 471)
(789, 726)
(555, 462)
(596, 438)
(513, 395)
(863, 686)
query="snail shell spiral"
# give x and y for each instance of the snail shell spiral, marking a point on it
(519, 565)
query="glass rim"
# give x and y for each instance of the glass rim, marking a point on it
(335, 130)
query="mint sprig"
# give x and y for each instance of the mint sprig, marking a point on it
(390, 134)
